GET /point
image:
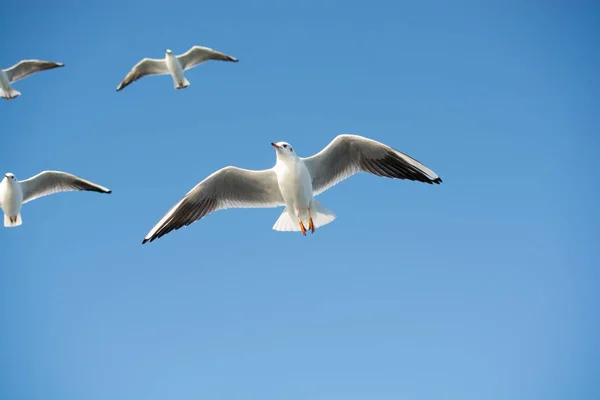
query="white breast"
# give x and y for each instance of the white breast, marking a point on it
(4, 83)
(295, 183)
(174, 66)
(11, 197)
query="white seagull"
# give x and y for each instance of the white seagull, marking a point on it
(14, 193)
(174, 65)
(293, 182)
(20, 71)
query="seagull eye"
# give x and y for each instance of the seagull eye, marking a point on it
(285, 145)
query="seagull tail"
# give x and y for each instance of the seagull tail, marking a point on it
(11, 222)
(320, 215)
(183, 84)
(11, 94)
(287, 222)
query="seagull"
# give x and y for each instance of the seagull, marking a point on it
(174, 65)
(20, 71)
(14, 193)
(293, 182)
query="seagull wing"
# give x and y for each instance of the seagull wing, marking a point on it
(229, 187)
(199, 54)
(49, 182)
(348, 154)
(148, 66)
(28, 67)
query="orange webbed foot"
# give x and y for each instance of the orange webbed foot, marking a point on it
(302, 228)
(311, 226)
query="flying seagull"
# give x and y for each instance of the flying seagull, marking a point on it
(174, 65)
(20, 71)
(14, 193)
(292, 182)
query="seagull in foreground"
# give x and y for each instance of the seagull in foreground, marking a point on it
(174, 65)
(292, 182)
(14, 193)
(20, 71)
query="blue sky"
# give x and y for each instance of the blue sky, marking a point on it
(482, 287)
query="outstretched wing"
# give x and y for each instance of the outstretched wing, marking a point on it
(28, 67)
(199, 54)
(348, 154)
(229, 187)
(49, 182)
(148, 66)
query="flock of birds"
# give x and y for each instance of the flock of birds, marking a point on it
(293, 182)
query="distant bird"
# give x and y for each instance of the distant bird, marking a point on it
(174, 65)
(20, 71)
(14, 193)
(292, 182)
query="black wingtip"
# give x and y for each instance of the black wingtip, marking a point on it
(109, 191)
(148, 239)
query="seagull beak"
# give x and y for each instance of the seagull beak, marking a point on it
(274, 145)
(6, 175)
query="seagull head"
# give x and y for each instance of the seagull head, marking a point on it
(168, 51)
(10, 177)
(283, 149)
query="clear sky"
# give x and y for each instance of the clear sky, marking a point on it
(484, 287)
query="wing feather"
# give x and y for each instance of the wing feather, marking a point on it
(200, 54)
(148, 66)
(230, 187)
(27, 67)
(347, 155)
(49, 182)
